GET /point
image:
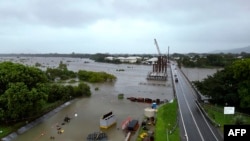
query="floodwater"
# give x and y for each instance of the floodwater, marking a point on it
(199, 74)
(131, 82)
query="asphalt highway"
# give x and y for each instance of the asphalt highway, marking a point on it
(194, 125)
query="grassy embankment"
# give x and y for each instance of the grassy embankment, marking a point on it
(167, 127)
(166, 120)
(216, 113)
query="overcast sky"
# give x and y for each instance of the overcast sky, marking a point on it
(123, 26)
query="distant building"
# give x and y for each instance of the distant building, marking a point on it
(122, 59)
(152, 60)
(109, 58)
(130, 59)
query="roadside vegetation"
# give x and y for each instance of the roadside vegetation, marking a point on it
(167, 127)
(229, 86)
(216, 114)
(27, 93)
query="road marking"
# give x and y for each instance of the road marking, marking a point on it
(185, 131)
(207, 123)
(191, 111)
(195, 97)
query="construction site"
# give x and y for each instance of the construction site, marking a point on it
(159, 71)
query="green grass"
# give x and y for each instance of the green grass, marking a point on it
(6, 130)
(216, 113)
(167, 121)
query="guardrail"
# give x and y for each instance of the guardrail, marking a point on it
(198, 101)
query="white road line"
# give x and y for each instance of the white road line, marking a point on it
(207, 123)
(191, 112)
(182, 120)
(193, 92)
(185, 131)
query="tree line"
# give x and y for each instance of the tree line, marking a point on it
(229, 86)
(26, 91)
(208, 60)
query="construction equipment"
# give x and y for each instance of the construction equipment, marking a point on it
(160, 67)
(158, 49)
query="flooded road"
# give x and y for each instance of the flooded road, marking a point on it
(131, 82)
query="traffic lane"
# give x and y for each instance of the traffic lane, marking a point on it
(212, 134)
(204, 125)
(188, 121)
(208, 131)
(182, 130)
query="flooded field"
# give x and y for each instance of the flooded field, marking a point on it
(194, 74)
(131, 82)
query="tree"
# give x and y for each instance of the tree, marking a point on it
(20, 94)
(61, 72)
(22, 102)
(230, 85)
(241, 72)
(56, 92)
(11, 73)
(82, 90)
(95, 76)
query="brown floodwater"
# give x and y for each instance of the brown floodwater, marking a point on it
(194, 74)
(131, 82)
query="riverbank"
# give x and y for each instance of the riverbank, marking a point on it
(30, 125)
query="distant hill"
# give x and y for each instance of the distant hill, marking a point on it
(234, 51)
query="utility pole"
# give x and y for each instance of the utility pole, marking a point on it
(168, 54)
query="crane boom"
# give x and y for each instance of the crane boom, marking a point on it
(158, 49)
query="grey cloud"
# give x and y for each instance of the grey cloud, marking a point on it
(77, 12)
(59, 13)
(50, 13)
(178, 23)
